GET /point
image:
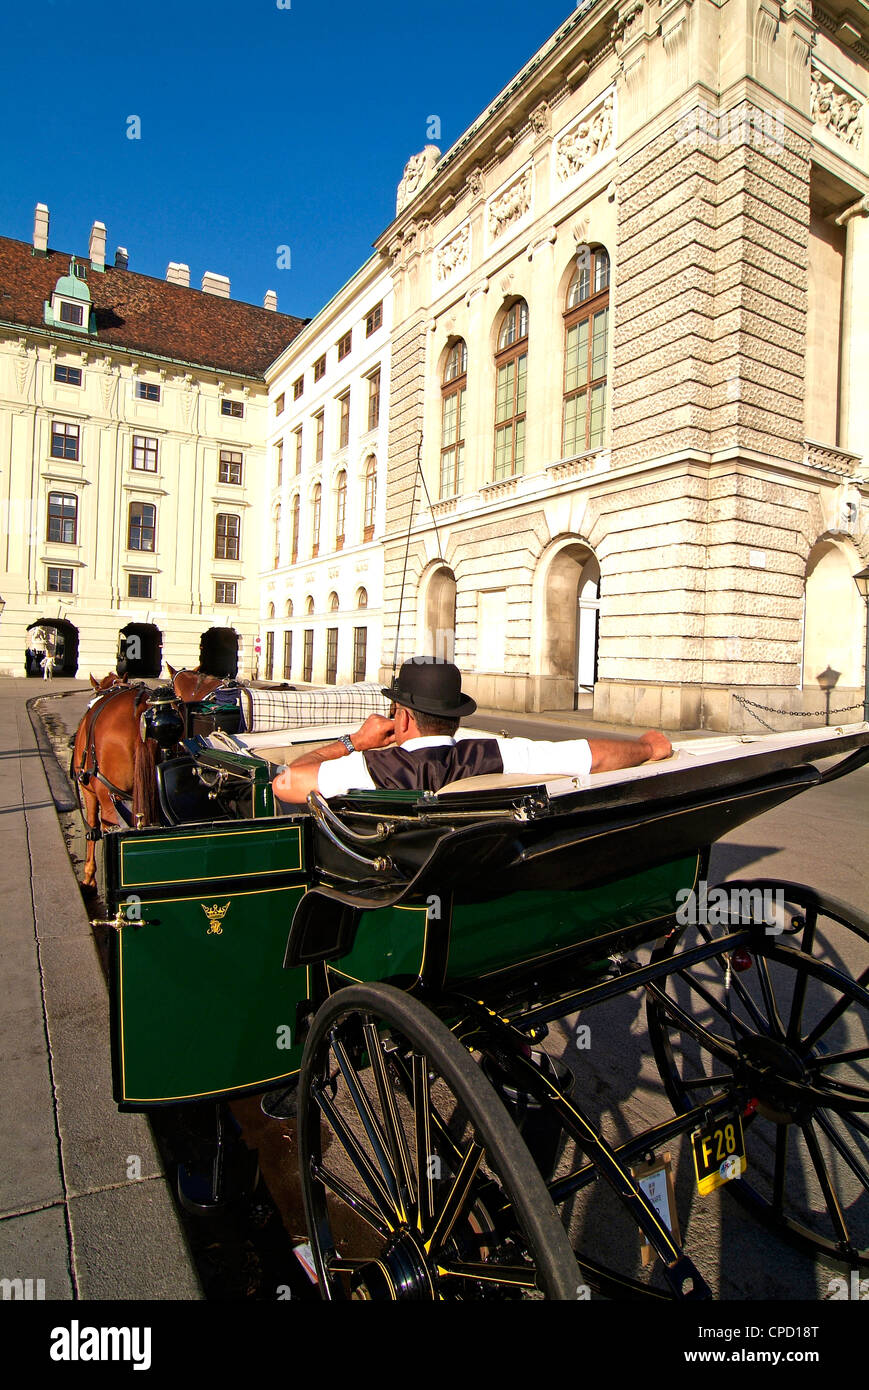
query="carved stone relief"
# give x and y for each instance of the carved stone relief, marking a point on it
(584, 140)
(454, 254)
(510, 206)
(836, 110)
(417, 171)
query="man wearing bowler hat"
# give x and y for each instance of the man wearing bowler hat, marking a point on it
(419, 745)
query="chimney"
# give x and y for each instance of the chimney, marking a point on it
(97, 246)
(271, 301)
(40, 230)
(122, 259)
(177, 273)
(215, 284)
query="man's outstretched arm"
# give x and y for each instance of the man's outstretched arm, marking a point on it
(611, 754)
(296, 780)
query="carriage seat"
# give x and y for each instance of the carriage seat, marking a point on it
(494, 781)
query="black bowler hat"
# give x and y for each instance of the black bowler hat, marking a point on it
(432, 687)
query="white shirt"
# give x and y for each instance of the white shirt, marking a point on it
(569, 758)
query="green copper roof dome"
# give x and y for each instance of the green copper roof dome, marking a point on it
(71, 286)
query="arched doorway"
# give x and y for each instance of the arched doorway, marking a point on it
(65, 641)
(218, 652)
(834, 624)
(439, 616)
(140, 651)
(566, 621)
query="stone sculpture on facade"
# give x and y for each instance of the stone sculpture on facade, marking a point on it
(836, 110)
(454, 254)
(511, 205)
(417, 171)
(584, 140)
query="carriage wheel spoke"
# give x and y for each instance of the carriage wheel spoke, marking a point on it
(364, 1168)
(855, 1054)
(423, 1144)
(719, 1008)
(769, 999)
(369, 1123)
(799, 998)
(830, 1197)
(395, 1136)
(780, 1173)
(514, 1276)
(716, 1079)
(456, 1198)
(678, 1021)
(438, 1127)
(354, 1200)
(854, 1163)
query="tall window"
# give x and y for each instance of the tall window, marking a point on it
(142, 526)
(288, 655)
(320, 368)
(331, 655)
(64, 441)
(511, 362)
(370, 503)
(279, 463)
(270, 655)
(360, 652)
(298, 437)
(145, 453)
(374, 400)
(362, 598)
(453, 420)
(280, 404)
(229, 470)
(318, 445)
(308, 655)
(315, 528)
(586, 323)
(334, 602)
(344, 420)
(138, 586)
(225, 591)
(340, 509)
(309, 605)
(227, 534)
(298, 387)
(344, 345)
(62, 518)
(294, 543)
(277, 536)
(373, 319)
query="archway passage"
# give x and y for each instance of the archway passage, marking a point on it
(218, 652)
(439, 636)
(140, 651)
(568, 641)
(65, 658)
(835, 617)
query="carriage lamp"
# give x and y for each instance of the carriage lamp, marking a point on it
(826, 680)
(862, 582)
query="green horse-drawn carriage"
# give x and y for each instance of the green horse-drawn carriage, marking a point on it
(400, 955)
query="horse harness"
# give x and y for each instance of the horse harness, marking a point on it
(161, 718)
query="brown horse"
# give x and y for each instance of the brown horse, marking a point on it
(113, 763)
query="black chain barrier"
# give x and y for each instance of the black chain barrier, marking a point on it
(807, 713)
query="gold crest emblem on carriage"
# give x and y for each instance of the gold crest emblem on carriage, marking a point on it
(215, 915)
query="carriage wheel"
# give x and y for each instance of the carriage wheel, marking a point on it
(415, 1181)
(788, 1039)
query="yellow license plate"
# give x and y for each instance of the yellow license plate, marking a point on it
(719, 1152)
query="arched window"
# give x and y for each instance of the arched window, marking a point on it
(289, 608)
(362, 599)
(277, 536)
(271, 612)
(340, 508)
(334, 602)
(315, 528)
(453, 392)
(294, 548)
(309, 604)
(586, 325)
(370, 504)
(511, 362)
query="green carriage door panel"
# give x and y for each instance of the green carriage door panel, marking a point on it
(201, 1004)
(507, 932)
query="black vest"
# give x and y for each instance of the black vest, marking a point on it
(429, 769)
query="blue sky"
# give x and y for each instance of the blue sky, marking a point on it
(261, 127)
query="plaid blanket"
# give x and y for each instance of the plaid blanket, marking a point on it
(267, 710)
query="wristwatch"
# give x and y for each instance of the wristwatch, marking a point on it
(347, 742)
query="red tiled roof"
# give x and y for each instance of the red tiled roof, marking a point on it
(147, 315)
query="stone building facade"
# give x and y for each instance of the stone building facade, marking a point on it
(630, 324)
(133, 419)
(321, 582)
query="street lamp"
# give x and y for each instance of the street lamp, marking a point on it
(862, 582)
